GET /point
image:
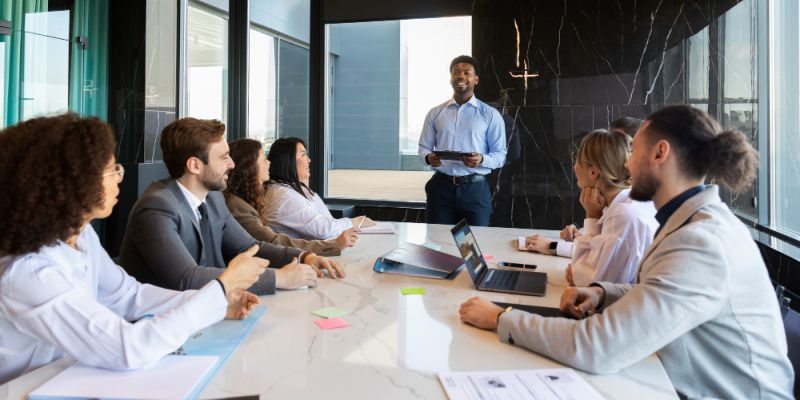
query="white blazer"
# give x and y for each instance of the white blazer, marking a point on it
(703, 301)
(301, 217)
(60, 301)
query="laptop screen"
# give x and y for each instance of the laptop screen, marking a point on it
(468, 247)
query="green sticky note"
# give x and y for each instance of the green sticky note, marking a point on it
(329, 312)
(413, 290)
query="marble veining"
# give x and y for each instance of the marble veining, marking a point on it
(598, 61)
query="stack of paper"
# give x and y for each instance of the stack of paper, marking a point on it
(174, 377)
(380, 227)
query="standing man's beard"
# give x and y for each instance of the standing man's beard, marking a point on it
(215, 182)
(644, 187)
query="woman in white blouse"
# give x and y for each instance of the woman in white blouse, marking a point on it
(60, 293)
(292, 208)
(617, 230)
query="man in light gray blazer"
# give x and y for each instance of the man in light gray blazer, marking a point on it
(180, 234)
(703, 300)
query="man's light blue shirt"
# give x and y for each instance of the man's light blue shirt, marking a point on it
(471, 127)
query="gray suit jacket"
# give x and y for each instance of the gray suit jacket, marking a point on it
(163, 244)
(703, 302)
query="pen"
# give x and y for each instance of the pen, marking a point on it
(361, 222)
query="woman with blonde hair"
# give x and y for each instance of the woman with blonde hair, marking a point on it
(617, 230)
(245, 197)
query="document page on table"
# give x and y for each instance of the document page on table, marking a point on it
(539, 384)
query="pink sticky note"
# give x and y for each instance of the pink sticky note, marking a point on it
(488, 256)
(331, 323)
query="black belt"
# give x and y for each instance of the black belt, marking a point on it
(458, 180)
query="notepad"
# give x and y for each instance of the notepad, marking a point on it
(173, 377)
(412, 290)
(328, 312)
(380, 227)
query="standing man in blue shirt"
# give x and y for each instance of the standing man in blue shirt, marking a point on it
(465, 124)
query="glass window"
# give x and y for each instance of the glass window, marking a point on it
(45, 85)
(261, 88)
(698, 68)
(207, 62)
(739, 106)
(784, 105)
(293, 88)
(383, 78)
(4, 87)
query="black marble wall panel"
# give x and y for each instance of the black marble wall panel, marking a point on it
(595, 61)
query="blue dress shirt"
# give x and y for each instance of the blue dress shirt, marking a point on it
(471, 127)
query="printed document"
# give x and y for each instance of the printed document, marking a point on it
(538, 384)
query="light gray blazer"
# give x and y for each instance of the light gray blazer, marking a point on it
(703, 302)
(163, 244)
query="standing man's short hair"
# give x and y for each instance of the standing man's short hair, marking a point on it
(466, 60)
(626, 125)
(188, 137)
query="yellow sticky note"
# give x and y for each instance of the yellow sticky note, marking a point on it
(412, 290)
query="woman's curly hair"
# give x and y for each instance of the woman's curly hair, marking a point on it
(51, 176)
(243, 179)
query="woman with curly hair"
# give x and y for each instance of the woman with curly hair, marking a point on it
(245, 198)
(60, 292)
(617, 230)
(292, 207)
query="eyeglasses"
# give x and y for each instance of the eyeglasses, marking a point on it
(118, 170)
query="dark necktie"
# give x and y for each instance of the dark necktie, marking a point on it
(208, 245)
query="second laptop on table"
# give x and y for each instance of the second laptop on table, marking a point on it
(517, 281)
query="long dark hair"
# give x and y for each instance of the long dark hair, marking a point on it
(703, 149)
(243, 179)
(283, 164)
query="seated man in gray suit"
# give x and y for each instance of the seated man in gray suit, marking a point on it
(703, 300)
(180, 234)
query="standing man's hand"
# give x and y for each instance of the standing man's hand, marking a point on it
(433, 160)
(472, 160)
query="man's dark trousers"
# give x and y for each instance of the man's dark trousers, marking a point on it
(450, 200)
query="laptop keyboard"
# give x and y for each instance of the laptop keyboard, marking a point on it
(501, 279)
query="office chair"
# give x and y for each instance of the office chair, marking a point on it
(791, 325)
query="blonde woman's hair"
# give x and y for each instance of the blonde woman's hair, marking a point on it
(608, 152)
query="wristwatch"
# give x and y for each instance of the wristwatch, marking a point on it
(553, 248)
(507, 309)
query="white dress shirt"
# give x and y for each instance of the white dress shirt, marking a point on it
(470, 127)
(193, 201)
(297, 216)
(611, 247)
(60, 300)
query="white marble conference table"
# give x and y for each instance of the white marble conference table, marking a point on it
(395, 344)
